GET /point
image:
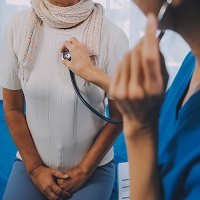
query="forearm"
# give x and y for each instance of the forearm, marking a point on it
(142, 156)
(20, 133)
(103, 143)
(99, 78)
(99, 149)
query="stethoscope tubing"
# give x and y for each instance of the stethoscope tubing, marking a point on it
(72, 76)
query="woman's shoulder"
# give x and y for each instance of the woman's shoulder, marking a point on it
(17, 21)
(111, 30)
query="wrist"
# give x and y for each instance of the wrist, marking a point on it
(32, 167)
(35, 172)
(135, 130)
(91, 73)
(99, 78)
(85, 170)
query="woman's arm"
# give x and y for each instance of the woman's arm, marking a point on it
(79, 175)
(16, 121)
(140, 81)
(42, 177)
(82, 66)
(103, 143)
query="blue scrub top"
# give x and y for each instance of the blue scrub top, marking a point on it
(179, 138)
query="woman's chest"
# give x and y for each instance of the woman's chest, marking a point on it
(49, 78)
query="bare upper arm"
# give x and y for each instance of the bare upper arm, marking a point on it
(13, 100)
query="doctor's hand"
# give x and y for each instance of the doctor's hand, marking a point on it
(76, 180)
(140, 82)
(44, 180)
(80, 62)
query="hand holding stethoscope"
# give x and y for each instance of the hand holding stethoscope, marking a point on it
(86, 68)
(76, 58)
(141, 79)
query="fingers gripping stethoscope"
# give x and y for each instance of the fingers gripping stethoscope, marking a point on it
(66, 55)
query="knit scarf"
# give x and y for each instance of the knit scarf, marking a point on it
(60, 17)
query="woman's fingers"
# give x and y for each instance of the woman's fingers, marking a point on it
(66, 45)
(150, 59)
(116, 90)
(114, 84)
(59, 174)
(51, 195)
(52, 190)
(70, 45)
(75, 41)
(59, 192)
(135, 86)
(128, 78)
(124, 77)
(44, 179)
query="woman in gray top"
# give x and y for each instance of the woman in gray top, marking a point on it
(63, 149)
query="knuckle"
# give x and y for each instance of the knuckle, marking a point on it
(150, 59)
(67, 194)
(111, 93)
(135, 52)
(138, 46)
(60, 193)
(118, 93)
(66, 43)
(55, 198)
(153, 88)
(135, 93)
(73, 47)
(62, 186)
(45, 188)
(121, 95)
(121, 63)
(126, 57)
(82, 47)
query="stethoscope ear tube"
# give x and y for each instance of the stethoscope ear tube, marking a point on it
(72, 76)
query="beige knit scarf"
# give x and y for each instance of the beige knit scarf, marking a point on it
(60, 17)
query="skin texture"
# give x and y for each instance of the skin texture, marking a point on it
(64, 3)
(54, 184)
(140, 81)
(85, 68)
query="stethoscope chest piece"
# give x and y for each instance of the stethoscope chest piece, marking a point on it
(66, 55)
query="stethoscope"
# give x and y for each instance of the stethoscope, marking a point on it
(66, 55)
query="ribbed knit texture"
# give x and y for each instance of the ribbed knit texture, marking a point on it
(60, 17)
(62, 128)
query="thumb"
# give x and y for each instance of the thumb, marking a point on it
(59, 174)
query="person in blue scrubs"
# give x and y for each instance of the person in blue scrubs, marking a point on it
(162, 130)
